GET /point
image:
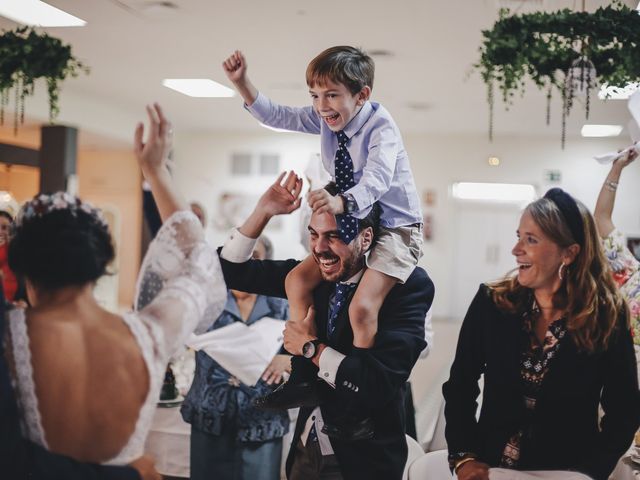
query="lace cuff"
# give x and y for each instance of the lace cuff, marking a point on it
(180, 278)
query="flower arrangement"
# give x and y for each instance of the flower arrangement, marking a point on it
(26, 56)
(570, 52)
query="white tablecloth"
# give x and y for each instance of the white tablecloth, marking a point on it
(169, 442)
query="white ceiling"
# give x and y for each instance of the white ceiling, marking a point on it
(131, 45)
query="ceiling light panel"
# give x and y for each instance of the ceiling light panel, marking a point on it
(198, 87)
(38, 14)
(601, 130)
(494, 192)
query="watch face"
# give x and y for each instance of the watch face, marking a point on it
(308, 350)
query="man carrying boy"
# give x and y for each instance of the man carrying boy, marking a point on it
(352, 378)
(362, 149)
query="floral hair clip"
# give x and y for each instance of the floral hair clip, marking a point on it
(43, 204)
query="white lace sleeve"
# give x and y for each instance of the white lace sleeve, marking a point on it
(180, 287)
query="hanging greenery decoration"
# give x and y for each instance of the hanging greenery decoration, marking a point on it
(566, 51)
(26, 56)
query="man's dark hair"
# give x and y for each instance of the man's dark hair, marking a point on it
(371, 220)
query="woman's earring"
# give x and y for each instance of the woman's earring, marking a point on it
(560, 272)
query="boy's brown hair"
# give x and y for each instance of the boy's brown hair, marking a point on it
(349, 66)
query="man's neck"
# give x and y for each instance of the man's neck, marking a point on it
(354, 274)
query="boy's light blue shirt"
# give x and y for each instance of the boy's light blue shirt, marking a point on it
(380, 163)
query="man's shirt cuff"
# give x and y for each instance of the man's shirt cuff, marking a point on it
(330, 361)
(238, 248)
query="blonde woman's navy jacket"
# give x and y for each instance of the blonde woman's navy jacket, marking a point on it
(565, 433)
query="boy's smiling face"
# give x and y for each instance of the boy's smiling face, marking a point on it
(336, 104)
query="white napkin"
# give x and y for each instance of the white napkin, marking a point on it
(609, 157)
(244, 351)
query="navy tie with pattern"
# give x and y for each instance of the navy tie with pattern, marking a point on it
(347, 225)
(339, 300)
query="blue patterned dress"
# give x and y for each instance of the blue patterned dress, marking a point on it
(218, 404)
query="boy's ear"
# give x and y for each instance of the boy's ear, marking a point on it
(364, 94)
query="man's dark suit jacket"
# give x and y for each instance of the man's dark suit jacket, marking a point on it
(368, 379)
(565, 433)
(21, 459)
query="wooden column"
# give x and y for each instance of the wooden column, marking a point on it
(58, 153)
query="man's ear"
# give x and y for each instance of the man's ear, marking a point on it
(366, 238)
(363, 95)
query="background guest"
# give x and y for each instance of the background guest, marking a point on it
(553, 344)
(625, 266)
(230, 438)
(10, 284)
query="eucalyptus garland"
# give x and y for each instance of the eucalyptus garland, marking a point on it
(549, 48)
(26, 56)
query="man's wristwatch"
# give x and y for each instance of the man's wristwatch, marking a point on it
(310, 348)
(349, 204)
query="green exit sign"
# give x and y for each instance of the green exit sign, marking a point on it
(552, 176)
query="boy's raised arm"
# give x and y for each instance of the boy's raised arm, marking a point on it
(235, 66)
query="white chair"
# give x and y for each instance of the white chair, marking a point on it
(432, 465)
(415, 452)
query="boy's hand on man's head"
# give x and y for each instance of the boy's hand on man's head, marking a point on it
(235, 66)
(322, 201)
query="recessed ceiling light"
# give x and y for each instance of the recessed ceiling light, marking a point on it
(618, 93)
(38, 14)
(601, 130)
(198, 87)
(493, 161)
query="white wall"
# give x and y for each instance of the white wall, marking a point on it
(437, 161)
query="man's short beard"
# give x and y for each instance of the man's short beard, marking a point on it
(350, 265)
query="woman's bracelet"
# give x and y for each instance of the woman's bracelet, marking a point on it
(459, 463)
(611, 186)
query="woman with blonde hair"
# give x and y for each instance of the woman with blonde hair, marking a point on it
(553, 344)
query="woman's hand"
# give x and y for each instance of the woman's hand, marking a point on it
(153, 155)
(625, 159)
(473, 470)
(279, 365)
(145, 467)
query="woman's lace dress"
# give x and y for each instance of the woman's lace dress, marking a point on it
(180, 277)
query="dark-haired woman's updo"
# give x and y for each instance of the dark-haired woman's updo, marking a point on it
(58, 241)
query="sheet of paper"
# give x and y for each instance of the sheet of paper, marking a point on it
(245, 351)
(609, 157)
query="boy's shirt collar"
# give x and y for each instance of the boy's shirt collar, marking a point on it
(359, 120)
